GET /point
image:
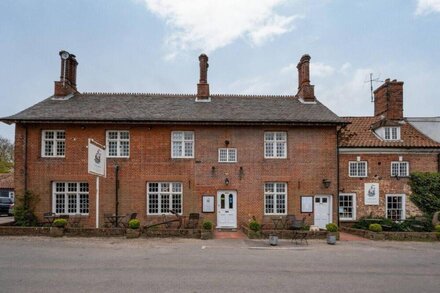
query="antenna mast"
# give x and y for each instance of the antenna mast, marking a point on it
(371, 85)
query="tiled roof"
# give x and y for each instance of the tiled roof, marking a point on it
(360, 134)
(110, 107)
(7, 180)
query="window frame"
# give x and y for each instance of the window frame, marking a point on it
(228, 150)
(357, 169)
(159, 193)
(274, 145)
(118, 143)
(183, 156)
(275, 193)
(353, 207)
(390, 130)
(403, 212)
(55, 145)
(66, 193)
(399, 163)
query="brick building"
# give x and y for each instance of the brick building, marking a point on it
(249, 155)
(376, 156)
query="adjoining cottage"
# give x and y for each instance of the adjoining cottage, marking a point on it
(378, 153)
(246, 155)
(7, 185)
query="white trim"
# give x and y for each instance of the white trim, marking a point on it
(274, 199)
(403, 204)
(358, 162)
(274, 142)
(54, 146)
(307, 102)
(227, 155)
(354, 206)
(183, 144)
(203, 100)
(118, 143)
(169, 193)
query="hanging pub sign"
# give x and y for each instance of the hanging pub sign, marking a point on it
(371, 193)
(97, 159)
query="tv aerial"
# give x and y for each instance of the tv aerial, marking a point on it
(371, 85)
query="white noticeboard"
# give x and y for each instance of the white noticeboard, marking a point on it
(97, 159)
(306, 204)
(371, 193)
(208, 204)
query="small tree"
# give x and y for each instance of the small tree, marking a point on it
(24, 209)
(426, 192)
(6, 155)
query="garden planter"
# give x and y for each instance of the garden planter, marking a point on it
(56, 231)
(331, 238)
(132, 233)
(206, 234)
(273, 240)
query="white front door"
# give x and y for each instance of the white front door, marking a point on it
(226, 209)
(323, 212)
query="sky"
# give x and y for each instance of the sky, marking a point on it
(253, 47)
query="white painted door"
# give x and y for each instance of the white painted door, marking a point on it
(226, 209)
(323, 214)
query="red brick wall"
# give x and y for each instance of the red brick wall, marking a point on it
(311, 158)
(379, 171)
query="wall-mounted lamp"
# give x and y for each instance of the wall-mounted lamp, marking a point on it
(226, 143)
(326, 183)
(397, 177)
(226, 181)
(212, 170)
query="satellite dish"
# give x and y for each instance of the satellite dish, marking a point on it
(65, 55)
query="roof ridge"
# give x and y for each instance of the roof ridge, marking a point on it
(185, 95)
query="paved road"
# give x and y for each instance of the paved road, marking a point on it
(5, 219)
(42, 264)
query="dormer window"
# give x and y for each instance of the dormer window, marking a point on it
(391, 133)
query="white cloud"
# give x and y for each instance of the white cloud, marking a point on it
(427, 6)
(211, 24)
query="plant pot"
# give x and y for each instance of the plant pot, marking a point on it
(331, 238)
(273, 240)
(56, 231)
(206, 234)
(132, 233)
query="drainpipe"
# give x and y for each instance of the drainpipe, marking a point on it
(337, 173)
(438, 162)
(25, 158)
(117, 190)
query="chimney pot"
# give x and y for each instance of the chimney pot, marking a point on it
(203, 85)
(67, 83)
(306, 91)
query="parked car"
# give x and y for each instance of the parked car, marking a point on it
(6, 206)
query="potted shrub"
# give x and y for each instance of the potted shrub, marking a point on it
(207, 230)
(133, 230)
(255, 229)
(58, 226)
(437, 231)
(375, 228)
(332, 231)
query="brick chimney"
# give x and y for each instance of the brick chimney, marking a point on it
(67, 83)
(203, 85)
(306, 91)
(388, 100)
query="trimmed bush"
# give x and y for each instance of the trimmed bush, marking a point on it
(375, 228)
(331, 227)
(60, 223)
(255, 226)
(134, 224)
(207, 225)
(437, 228)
